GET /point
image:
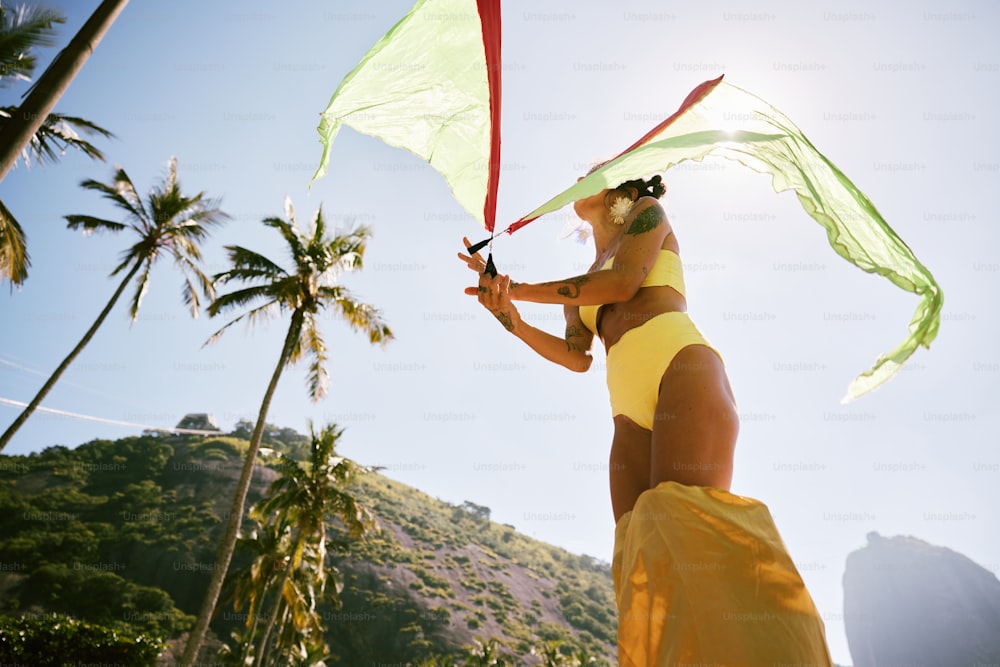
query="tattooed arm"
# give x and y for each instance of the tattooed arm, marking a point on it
(572, 352)
(645, 229)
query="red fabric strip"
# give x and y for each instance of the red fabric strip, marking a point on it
(695, 96)
(489, 16)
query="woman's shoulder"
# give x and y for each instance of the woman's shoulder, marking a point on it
(649, 203)
(647, 214)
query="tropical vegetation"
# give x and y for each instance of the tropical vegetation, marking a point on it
(58, 640)
(289, 574)
(23, 29)
(120, 534)
(318, 259)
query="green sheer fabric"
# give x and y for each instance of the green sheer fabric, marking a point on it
(423, 87)
(732, 123)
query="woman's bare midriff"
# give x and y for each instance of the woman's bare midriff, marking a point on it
(614, 319)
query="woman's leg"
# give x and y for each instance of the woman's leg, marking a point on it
(695, 424)
(629, 464)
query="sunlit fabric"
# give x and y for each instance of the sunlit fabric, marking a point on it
(425, 87)
(431, 85)
(719, 119)
(703, 578)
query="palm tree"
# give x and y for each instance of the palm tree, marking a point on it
(14, 260)
(168, 222)
(267, 545)
(302, 498)
(435, 661)
(318, 262)
(41, 100)
(300, 631)
(56, 134)
(21, 30)
(485, 654)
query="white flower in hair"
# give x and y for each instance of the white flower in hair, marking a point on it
(620, 210)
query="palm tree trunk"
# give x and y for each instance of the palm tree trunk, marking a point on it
(21, 127)
(262, 647)
(282, 630)
(248, 643)
(47, 387)
(228, 544)
(277, 607)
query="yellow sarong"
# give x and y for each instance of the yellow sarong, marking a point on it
(703, 578)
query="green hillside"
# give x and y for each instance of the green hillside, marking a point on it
(122, 534)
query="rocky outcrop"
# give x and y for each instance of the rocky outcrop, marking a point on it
(907, 602)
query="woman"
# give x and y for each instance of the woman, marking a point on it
(701, 575)
(675, 415)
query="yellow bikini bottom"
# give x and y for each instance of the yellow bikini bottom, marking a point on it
(703, 578)
(636, 363)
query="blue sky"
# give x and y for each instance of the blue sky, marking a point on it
(901, 99)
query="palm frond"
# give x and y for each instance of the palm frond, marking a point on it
(289, 231)
(189, 269)
(127, 259)
(170, 183)
(59, 133)
(122, 193)
(187, 218)
(342, 254)
(249, 265)
(318, 231)
(360, 316)
(196, 215)
(251, 316)
(290, 213)
(351, 245)
(243, 297)
(323, 443)
(14, 260)
(357, 518)
(318, 377)
(181, 244)
(21, 30)
(142, 286)
(90, 224)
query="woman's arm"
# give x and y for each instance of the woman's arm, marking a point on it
(572, 352)
(637, 252)
(591, 289)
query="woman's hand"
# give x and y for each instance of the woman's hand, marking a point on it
(493, 293)
(475, 262)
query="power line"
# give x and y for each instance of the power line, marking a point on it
(115, 422)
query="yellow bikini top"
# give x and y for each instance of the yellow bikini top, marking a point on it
(667, 271)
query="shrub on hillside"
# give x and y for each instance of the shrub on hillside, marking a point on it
(56, 640)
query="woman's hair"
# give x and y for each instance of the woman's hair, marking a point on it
(654, 187)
